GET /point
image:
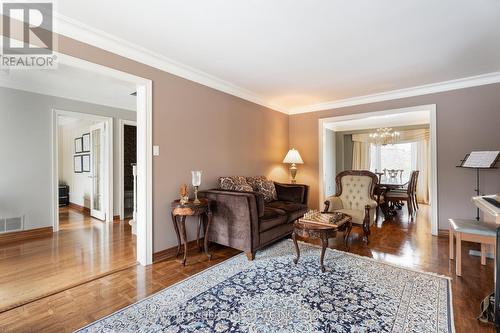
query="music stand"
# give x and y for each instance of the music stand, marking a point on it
(480, 160)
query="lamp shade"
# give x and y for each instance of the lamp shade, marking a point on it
(293, 156)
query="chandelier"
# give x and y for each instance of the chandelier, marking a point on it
(384, 136)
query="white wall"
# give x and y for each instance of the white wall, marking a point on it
(26, 152)
(80, 185)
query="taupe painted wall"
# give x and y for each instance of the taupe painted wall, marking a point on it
(467, 119)
(197, 128)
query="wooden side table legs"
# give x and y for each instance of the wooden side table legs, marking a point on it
(200, 222)
(201, 210)
(176, 228)
(180, 231)
(182, 222)
(294, 237)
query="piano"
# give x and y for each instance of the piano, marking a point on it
(489, 205)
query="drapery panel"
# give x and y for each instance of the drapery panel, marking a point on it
(360, 156)
(404, 136)
(424, 166)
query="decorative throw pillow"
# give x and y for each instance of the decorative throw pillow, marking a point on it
(264, 186)
(234, 183)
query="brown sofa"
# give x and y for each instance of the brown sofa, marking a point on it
(242, 220)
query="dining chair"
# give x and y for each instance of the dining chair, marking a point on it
(407, 195)
(379, 193)
(416, 172)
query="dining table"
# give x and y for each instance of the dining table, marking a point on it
(392, 183)
(387, 184)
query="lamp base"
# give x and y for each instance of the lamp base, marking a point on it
(293, 173)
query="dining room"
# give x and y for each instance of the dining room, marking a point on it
(396, 146)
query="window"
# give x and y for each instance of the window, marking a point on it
(401, 156)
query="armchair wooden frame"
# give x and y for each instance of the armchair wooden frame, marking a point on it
(338, 182)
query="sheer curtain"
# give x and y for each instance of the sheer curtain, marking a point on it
(424, 166)
(360, 155)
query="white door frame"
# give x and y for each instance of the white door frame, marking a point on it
(433, 131)
(121, 166)
(144, 152)
(108, 173)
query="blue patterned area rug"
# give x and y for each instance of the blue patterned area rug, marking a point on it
(271, 294)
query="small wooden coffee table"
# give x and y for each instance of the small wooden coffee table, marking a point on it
(317, 228)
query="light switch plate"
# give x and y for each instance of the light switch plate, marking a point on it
(156, 150)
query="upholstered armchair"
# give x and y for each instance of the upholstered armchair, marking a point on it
(355, 197)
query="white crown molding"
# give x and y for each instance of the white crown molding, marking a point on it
(74, 29)
(467, 82)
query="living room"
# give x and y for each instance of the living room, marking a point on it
(229, 90)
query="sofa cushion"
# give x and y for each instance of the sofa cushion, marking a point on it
(272, 217)
(262, 185)
(294, 210)
(234, 183)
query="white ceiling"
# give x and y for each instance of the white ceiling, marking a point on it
(294, 53)
(387, 120)
(73, 83)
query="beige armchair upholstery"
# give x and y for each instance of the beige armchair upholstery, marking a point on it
(355, 197)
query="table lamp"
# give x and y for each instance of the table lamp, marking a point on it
(196, 181)
(293, 158)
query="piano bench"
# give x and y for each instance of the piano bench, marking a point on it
(470, 231)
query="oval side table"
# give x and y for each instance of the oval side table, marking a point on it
(179, 214)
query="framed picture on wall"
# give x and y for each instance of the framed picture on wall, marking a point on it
(77, 164)
(86, 142)
(86, 163)
(78, 145)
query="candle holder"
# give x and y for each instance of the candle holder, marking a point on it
(196, 181)
(196, 200)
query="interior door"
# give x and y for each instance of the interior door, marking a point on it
(98, 158)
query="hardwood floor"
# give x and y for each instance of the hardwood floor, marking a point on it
(397, 241)
(83, 249)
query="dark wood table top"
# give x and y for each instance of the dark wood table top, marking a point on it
(190, 208)
(190, 203)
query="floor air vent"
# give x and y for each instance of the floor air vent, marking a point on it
(10, 224)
